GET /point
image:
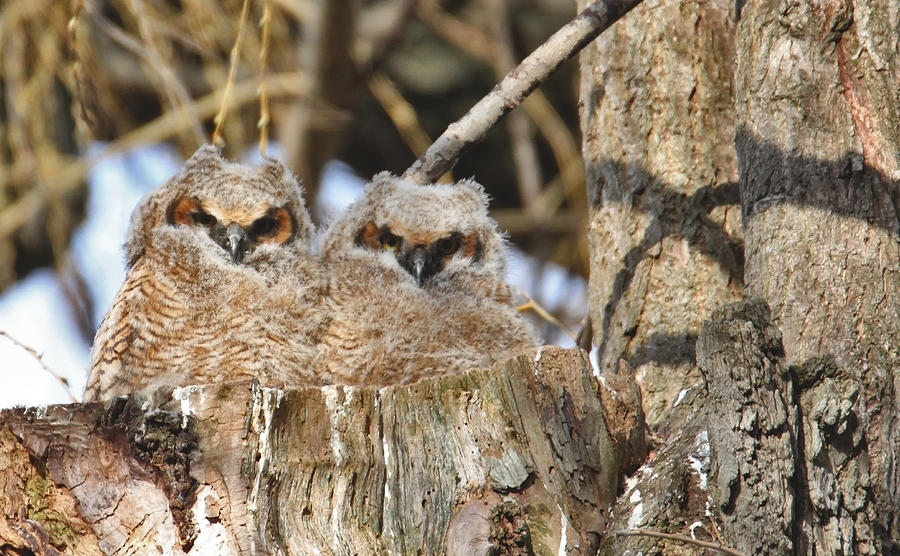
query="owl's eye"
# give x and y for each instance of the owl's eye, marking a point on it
(201, 218)
(263, 226)
(389, 241)
(448, 245)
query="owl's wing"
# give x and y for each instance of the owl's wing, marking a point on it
(116, 335)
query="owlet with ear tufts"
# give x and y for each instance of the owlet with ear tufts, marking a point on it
(220, 284)
(417, 285)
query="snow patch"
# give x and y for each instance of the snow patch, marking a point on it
(563, 531)
(699, 460)
(183, 394)
(594, 358)
(537, 362)
(267, 401)
(680, 397)
(165, 535)
(637, 514)
(212, 538)
(693, 527)
(635, 497)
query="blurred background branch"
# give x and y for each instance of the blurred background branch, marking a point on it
(367, 82)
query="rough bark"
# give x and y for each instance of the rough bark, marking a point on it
(522, 457)
(725, 472)
(658, 125)
(753, 427)
(819, 148)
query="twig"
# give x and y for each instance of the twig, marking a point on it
(263, 123)
(232, 73)
(400, 111)
(173, 90)
(679, 538)
(533, 305)
(37, 356)
(517, 84)
(524, 150)
(569, 184)
(290, 84)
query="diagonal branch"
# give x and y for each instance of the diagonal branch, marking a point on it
(517, 84)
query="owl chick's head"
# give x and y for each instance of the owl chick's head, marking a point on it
(244, 211)
(429, 231)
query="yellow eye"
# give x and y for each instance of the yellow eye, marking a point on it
(389, 241)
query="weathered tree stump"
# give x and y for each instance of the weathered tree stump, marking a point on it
(519, 457)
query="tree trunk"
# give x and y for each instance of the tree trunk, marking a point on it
(521, 457)
(790, 445)
(658, 125)
(817, 101)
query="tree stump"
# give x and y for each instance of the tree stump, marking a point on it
(522, 457)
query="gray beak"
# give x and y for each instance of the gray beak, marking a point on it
(236, 237)
(418, 260)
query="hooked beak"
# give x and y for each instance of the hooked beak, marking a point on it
(233, 239)
(417, 263)
(236, 237)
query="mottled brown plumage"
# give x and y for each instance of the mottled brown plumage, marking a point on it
(220, 284)
(416, 286)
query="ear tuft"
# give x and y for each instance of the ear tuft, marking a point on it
(206, 157)
(474, 191)
(277, 170)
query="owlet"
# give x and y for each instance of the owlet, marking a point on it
(220, 284)
(417, 285)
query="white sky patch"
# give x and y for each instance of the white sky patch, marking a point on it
(30, 313)
(552, 286)
(339, 187)
(114, 188)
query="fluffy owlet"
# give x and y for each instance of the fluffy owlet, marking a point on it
(416, 285)
(220, 284)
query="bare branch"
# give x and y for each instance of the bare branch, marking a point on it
(517, 84)
(173, 89)
(37, 356)
(401, 112)
(287, 85)
(679, 538)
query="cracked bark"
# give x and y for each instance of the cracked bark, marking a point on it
(521, 455)
(818, 144)
(799, 432)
